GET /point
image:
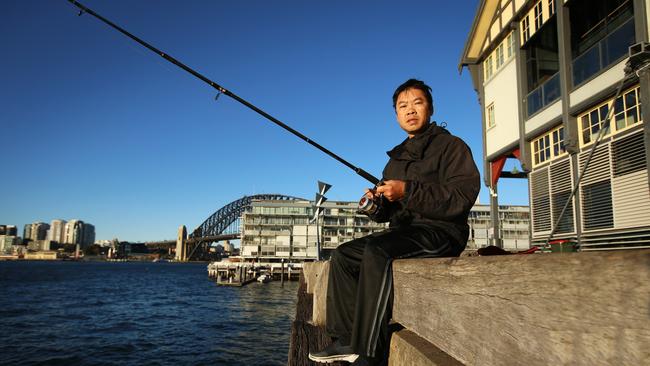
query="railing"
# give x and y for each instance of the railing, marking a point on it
(543, 95)
(609, 49)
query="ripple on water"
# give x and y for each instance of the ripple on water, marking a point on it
(138, 313)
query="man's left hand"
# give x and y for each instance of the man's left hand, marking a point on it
(393, 190)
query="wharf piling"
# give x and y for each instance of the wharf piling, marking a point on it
(229, 273)
(539, 309)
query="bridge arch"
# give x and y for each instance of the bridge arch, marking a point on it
(219, 221)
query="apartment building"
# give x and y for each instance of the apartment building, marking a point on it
(281, 229)
(274, 229)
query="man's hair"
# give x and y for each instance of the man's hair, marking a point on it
(414, 84)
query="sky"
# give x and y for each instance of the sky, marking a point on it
(96, 127)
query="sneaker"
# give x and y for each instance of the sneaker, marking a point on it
(334, 352)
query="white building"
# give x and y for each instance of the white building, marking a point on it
(547, 74)
(514, 227)
(281, 229)
(79, 232)
(57, 231)
(273, 230)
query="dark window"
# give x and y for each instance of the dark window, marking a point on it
(597, 205)
(542, 65)
(566, 223)
(628, 155)
(601, 32)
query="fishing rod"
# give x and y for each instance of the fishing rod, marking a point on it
(83, 9)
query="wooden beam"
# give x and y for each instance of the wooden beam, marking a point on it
(541, 309)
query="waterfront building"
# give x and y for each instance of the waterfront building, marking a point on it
(73, 231)
(514, 227)
(273, 230)
(228, 247)
(27, 232)
(57, 230)
(10, 230)
(40, 255)
(88, 235)
(36, 231)
(7, 242)
(79, 232)
(39, 245)
(547, 74)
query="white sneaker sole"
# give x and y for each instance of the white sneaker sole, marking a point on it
(334, 358)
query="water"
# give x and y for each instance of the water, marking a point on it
(99, 313)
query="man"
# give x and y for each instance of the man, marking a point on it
(429, 186)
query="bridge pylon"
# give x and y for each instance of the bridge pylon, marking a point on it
(181, 244)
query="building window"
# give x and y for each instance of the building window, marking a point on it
(542, 149)
(627, 112)
(488, 67)
(549, 146)
(525, 29)
(627, 109)
(510, 41)
(500, 58)
(593, 122)
(551, 8)
(539, 16)
(558, 142)
(490, 116)
(497, 58)
(601, 32)
(542, 66)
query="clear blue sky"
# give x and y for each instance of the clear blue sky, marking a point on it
(97, 128)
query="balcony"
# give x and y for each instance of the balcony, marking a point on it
(607, 51)
(543, 95)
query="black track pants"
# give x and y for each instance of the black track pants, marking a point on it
(360, 282)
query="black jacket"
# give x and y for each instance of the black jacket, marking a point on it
(442, 183)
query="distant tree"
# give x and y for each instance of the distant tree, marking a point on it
(94, 249)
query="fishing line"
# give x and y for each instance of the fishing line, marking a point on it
(221, 90)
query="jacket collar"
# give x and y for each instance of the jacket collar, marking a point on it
(413, 148)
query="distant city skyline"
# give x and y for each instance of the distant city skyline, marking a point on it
(100, 128)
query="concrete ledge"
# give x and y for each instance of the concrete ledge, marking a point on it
(543, 309)
(407, 348)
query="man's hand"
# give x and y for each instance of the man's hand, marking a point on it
(393, 190)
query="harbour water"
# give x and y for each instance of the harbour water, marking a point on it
(102, 313)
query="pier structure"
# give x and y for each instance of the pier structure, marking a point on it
(240, 273)
(588, 308)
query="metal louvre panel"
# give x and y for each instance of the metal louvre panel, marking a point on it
(630, 183)
(561, 186)
(628, 155)
(628, 239)
(541, 206)
(599, 167)
(596, 190)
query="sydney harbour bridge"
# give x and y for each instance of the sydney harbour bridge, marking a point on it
(223, 224)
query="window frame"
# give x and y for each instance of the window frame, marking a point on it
(544, 146)
(498, 57)
(612, 123)
(490, 116)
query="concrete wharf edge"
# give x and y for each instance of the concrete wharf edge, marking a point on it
(541, 309)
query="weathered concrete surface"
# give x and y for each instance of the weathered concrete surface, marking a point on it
(316, 277)
(551, 309)
(407, 348)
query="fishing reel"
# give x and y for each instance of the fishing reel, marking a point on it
(371, 206)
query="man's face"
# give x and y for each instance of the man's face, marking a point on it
(413, 111)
